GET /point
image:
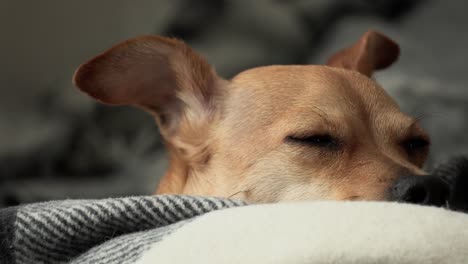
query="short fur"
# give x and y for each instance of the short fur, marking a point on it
(231, 138)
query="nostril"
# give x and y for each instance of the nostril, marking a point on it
(416, 194)
(424, 190)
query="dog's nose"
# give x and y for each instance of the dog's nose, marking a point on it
(425, 190)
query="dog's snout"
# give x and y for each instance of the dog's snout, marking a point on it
(417, 189)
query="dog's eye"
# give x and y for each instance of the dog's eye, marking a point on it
(322, 141)
(413, 145)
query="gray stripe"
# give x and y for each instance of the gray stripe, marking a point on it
(169, 209)
(144, 242)
(195, 210)
(35, 243)
(25, 248)
(129, 221)
(117, 246)
(196, 204)
(107, 250)
(179, 207)
(44, 240)
(112, 215)
(153, 210)
(160, 210)
(210, 204)
(95, 231)
(125, 251)
(7, 220)
(144, 212)
(138, 216)
(134, 252)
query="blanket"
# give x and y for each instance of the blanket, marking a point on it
(96, 231)
(328, 232)
(188, 229)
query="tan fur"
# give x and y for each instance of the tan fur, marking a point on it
(228, 138)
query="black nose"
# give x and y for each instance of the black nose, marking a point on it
(425, 190)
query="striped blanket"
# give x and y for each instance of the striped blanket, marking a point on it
(96, 231)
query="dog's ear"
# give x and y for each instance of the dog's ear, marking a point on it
(161, 75)
(373, 51)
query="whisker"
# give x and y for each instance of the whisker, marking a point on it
(351, 198)
(422, 117)
(237, 193)
(426, 115)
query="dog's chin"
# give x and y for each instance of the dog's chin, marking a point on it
(298, 193)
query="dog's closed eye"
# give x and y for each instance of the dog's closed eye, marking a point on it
(319, 140)
(416, 144)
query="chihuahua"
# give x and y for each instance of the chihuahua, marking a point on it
(273, 133)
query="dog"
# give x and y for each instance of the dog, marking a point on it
(273, 133)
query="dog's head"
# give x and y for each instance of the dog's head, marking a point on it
(271, 133)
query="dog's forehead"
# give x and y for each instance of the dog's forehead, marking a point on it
(284, 74)
(267, 96)
(305, 84)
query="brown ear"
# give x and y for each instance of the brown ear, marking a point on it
(161, 75)
(373, 51)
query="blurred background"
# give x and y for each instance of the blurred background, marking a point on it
(56, 143)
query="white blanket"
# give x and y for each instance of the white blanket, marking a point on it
(319, 232)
